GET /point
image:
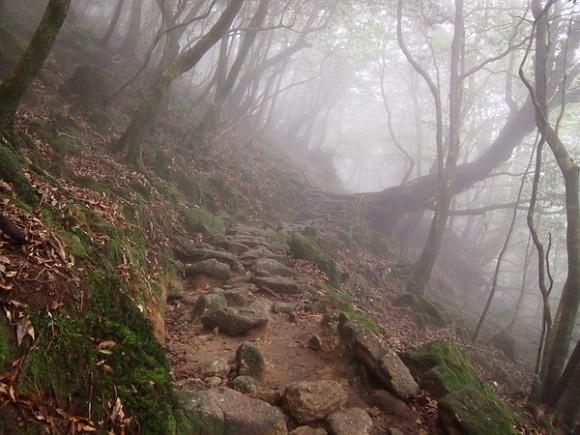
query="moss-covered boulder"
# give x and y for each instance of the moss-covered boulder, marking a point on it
(198, 220)
(301, 247)
(467, 404)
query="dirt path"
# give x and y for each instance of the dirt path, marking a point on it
(297, 346)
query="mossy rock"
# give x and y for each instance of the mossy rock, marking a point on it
(447, 374)
(468, 411)
(443, 365)
(302, 248)
(88, 84)
(198, 220)
(424, 310)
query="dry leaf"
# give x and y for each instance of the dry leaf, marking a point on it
(23, 328)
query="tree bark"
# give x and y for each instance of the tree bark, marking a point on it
(558, 341)
(13, 88)
(133, 137)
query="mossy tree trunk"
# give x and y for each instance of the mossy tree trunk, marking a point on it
(13, 88)
(132, 139)
(560, 335)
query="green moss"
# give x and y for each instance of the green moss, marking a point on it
(424, 310)
(473, 413)
(8, 348)
(303, 248)
(74, 245)
(199, 220)
(448, 375)
(11, 172)
(90, 183)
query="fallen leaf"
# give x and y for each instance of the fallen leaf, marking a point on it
(23, 328)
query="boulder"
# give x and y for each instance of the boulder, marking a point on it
(246, 384)
(250, 361)
(278, 284)
(218, 366)
(210, 267)
(270, 267)
(208, 303)
(350, 421)
(223, 410)
(284, 307)
(311, 401)
(234, 321)
(382, 362)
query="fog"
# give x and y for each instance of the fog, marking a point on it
(329, 82)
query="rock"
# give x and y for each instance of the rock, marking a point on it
(233, 247)
(246, 384)
(238, 297)
(213, 381)
(383, 363)
(241, 286)
(218, 366)
(468, 411)
(315, 342)
(234, 321)
(307, 430)
(270, 267)
(250, 361)
(261, 304)
(223, 410)
(351, 421)
(277, 284)
(391, 404)
(194, 253)
(253, 254)
(284, 307)
(395, 431)
(507, 344)
(210, 267)
(311, 401)
(208, 303)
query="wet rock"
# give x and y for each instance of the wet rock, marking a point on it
(277, 284)
(233, 247)
(270, 267)
(382, 362)
(311, 401)
(246, 384)
(307, 430)
(210, 267)
(351, 421)
(218, 366)
(208, 303)
(236, 297)
(234, 321)
(223, 410)
(250, 361)
(193, 253)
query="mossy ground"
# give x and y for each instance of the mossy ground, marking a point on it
(303, 248)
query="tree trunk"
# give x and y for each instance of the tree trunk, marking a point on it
(114, 20)
(131, 42)
(568, 406)
(13, 88)
(558, 341)
(132, 139)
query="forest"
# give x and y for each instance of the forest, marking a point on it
(396, 178)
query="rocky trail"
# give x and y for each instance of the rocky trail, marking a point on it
(251, 348)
